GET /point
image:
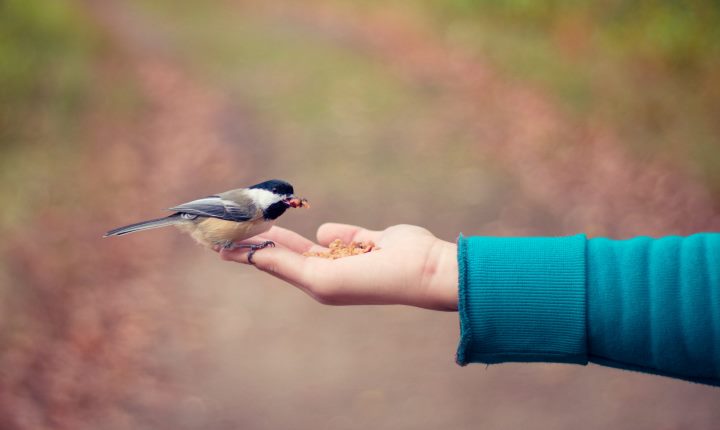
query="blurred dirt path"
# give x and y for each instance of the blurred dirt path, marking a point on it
(579, 172)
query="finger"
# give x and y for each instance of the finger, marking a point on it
(283, 263)
(345, 232)
(289, 239)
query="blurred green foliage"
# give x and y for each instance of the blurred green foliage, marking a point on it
(680, 34)
(650, 69)
(45, 67)
(44, 48)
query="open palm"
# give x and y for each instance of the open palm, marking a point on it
(411, 266)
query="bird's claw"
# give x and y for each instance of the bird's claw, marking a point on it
(253, 247)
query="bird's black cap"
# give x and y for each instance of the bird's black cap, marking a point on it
(276, 186)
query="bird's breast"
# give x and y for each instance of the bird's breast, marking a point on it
(213, 231)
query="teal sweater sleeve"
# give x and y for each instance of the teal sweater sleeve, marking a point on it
(651, 305)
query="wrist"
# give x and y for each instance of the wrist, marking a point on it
(442, 277)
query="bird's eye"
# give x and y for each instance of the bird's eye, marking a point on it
(274, 190)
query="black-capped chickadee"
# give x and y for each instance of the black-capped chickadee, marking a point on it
(226, 218)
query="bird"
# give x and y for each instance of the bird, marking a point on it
(224, 219)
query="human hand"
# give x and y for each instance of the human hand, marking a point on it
(411, 266)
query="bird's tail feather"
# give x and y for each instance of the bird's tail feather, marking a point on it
(144, 225)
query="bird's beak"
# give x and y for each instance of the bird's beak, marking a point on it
(295, 202)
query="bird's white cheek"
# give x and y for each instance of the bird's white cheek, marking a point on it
(263, 198)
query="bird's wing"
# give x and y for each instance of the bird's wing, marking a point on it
(217, 207)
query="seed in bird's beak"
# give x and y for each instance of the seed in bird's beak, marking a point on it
(295, 202)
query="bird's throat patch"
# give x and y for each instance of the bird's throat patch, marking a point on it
(275, 210)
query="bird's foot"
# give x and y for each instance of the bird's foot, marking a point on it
(253, 247)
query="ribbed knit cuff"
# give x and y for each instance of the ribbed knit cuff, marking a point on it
(522, 299)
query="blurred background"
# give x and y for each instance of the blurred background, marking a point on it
(480, 117)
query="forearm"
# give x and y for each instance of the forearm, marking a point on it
(648, 305)
(654, 305)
